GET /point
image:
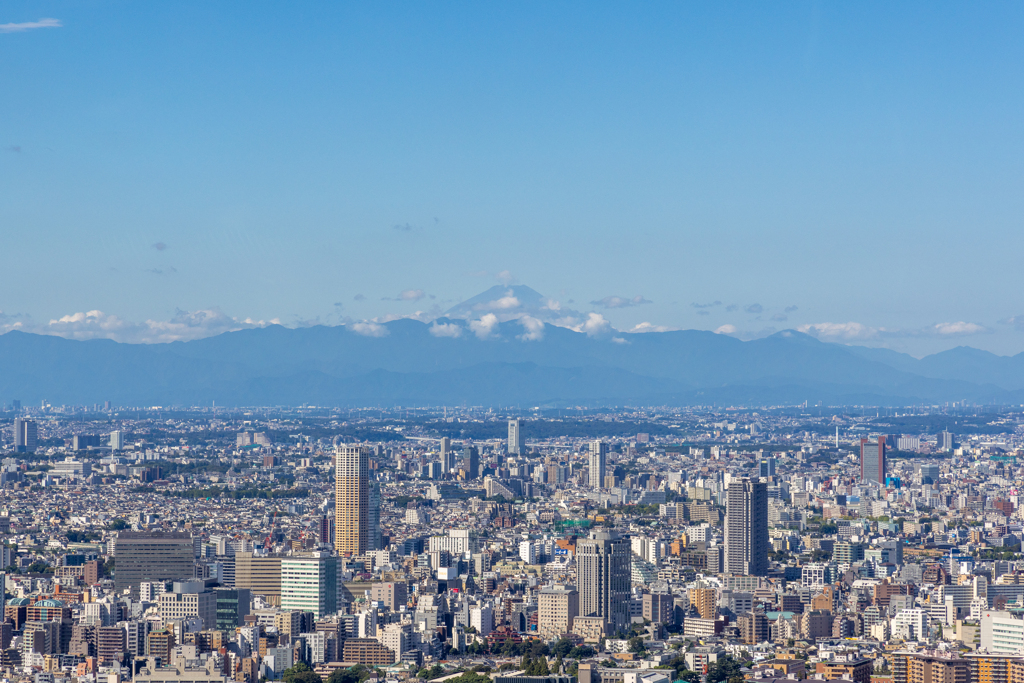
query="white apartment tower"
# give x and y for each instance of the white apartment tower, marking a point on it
(516, 443)
(598, 457)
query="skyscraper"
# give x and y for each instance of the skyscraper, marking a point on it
(26, 435)
(945, 441)
(598, 455)
(447, 455)
(116, 441)
(746, 528)
(767, 467)
(604, 573)
(352, 500)
(376, 538)
(872, 460)
(471, 462)
(516, 444)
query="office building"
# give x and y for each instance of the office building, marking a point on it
(368, 651)
(232, 607)
(945, 441)
(81, 442)
(872, 460)
(189, 599)
(928, 473)
(151, 556)
(116, 441)
(596, 471)
(767, 467)
(471, 462)
(604, 570)
(376, 538)
(746, 528)
(557, 607)
(659, 607)
(393, 594)
(516, 443)
(310, 584)
(447, 455)
(352, 500)
(482, 619)
(26, 435)
(1002, 633)
(457, 542)
(260, 575)
(71, 468)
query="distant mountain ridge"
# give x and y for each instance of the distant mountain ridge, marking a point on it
(446, 362)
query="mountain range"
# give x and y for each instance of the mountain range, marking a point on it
(459, 360)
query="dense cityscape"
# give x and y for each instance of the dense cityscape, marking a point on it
(529, 342)
(633, 545)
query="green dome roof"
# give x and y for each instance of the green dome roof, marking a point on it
(49, 602)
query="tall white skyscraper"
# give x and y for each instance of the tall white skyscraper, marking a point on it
(516, 443)
(598, 456)
(116, 441)
(746, 528)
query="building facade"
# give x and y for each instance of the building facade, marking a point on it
(746, 528)
(352, 500)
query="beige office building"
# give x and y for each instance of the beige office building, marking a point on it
(557, 608)
(260, 575)
(352, 500)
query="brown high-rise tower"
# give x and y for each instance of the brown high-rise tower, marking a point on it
(352, 500)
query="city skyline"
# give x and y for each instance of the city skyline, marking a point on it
(686, 167)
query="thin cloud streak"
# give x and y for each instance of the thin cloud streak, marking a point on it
(30, 25)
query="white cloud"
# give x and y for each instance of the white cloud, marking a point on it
(93, 324)
(533, 329)
(184, 326)
(446, 330)
(30, 25)
(485, 326)
(958, 328)
(620, 340)
(412, 295)
(553, 305)
(648, 327)
(726, 329)
(506, 278)
(620, 301)
(422, 316)
(369, 329)
(853, 331)
(846, 331)
(595, 325)
(505, 303)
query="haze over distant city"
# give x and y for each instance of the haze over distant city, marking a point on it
(850, 171)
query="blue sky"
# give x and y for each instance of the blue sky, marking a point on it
(853, 170)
